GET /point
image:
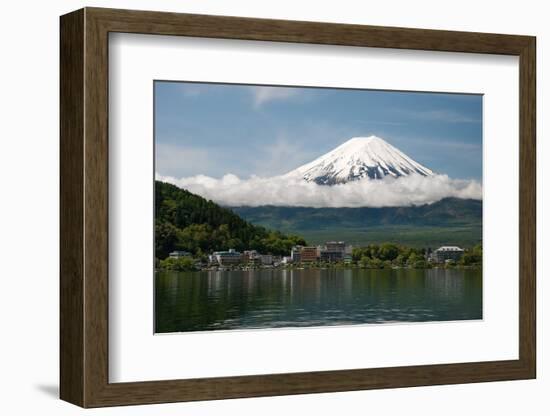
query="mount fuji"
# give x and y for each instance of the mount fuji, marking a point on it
(360, 158)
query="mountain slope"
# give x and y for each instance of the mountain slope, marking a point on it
(359, 158)
(184, 221)
(450, 220)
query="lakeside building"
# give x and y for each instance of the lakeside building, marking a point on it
(331, 252)
(232, 257)
(178, 254)
(295, 254)
(331, 256)
(444, 253)
(309, 254)
(336, 246)
(226, 258)
(251, 257)
(266, 259)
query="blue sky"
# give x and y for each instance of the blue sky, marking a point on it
(215, 129)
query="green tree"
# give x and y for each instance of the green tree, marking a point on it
(420, 263)
(375, 263)
(477, 250)
(473, 256)
(364, 262)
(450, 264)
(400, 260)
(388, 251)
(357, 253)
(412, 259)
(372, 251)
(166, 237)
(182, 264)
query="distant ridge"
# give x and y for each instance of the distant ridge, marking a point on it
(450, 220)
(448, 211)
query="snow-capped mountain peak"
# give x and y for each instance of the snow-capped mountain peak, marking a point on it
(359, 158)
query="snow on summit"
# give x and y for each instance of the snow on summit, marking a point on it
(359, 158)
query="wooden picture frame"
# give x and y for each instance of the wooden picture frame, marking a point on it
(84, 207)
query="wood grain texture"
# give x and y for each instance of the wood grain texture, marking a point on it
(71, 213)
(96, 219)
(178, 24)
(84, 207)
(527, 208)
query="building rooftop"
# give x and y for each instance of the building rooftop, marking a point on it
(449, 248)
(231, 252)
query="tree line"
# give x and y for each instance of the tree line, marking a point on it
(376, 256)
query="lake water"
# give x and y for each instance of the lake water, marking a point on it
(197, 301)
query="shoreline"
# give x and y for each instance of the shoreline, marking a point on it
(318, 267)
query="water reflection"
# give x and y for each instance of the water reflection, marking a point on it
(296, 298)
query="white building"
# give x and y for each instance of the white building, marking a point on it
(295, 254)
(286, 260)
(226, 258)
(444, 253)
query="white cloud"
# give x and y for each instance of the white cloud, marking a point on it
(230, 190)
(263, 95)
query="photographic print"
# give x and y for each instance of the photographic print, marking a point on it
(281, 207)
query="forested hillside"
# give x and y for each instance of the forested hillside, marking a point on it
(184, 221)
